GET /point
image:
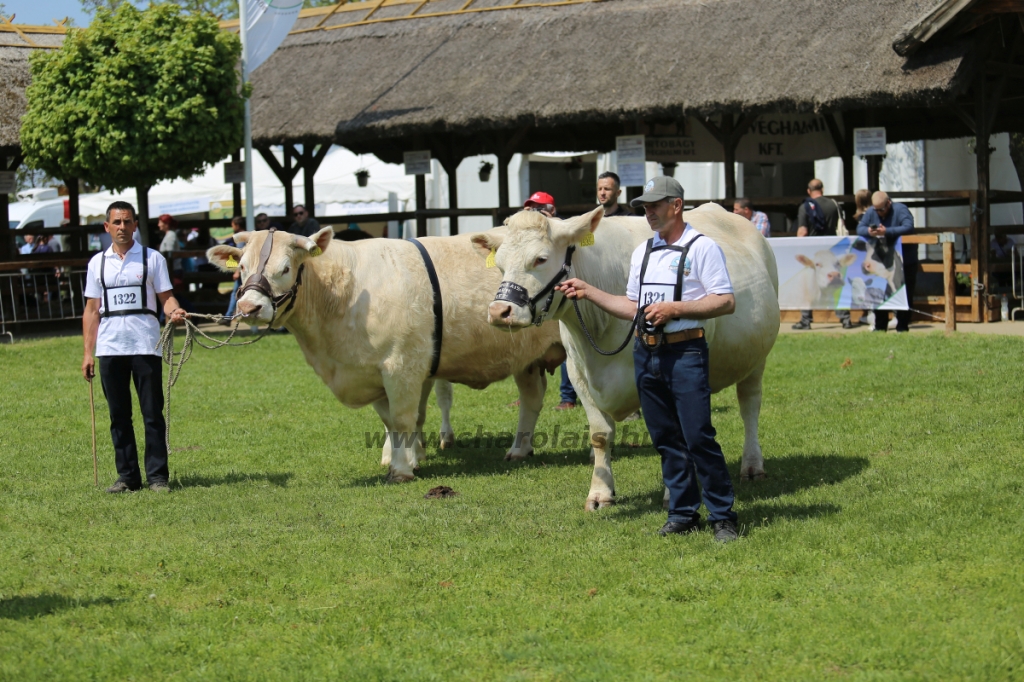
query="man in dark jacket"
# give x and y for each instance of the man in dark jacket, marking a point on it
(819, 216)
(882, 225)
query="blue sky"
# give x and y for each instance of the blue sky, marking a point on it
(36, 12)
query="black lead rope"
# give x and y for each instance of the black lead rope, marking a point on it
(438, 306)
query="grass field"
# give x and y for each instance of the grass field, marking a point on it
(885, 544)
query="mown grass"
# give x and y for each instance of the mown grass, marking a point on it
(885, 543)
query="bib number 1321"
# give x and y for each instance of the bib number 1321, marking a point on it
(653, 297)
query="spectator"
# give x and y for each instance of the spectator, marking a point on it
(237, 225)
(263, 223)
(608, 191)
(304, 223)
(29, 246)
(819, 216)
(862, 199)
(43, 244)
(169, 226)
(760, 220)
(1001, 247)
(882, 225)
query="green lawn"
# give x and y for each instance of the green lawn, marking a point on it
(885, 544)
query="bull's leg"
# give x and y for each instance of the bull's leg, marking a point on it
(443, 391)
(404, 400)
(384, 412)
(602, 437)
(532, 383)
(421, 418)
(748, 392)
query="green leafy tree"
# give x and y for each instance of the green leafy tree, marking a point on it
(224, 9)
(135, 98)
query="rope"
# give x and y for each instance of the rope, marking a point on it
(193, 335)
(629, 335)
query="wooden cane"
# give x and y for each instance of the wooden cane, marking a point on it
(95, 464)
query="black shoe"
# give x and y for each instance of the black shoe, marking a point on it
(123, 487)
(680, 528)
(802, 325)
(725, 531)
(876, 329)
(848, 325)
(902, 330)
(159, 486)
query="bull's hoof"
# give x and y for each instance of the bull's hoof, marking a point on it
(751, 474)
(397, 477)
(511, 456)
(447, 440)
(598, 501)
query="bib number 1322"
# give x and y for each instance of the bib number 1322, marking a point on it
(125, 299)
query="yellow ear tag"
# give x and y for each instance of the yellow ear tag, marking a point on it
(588, 240)
(231, 262)
(490, 259)
(316, 251)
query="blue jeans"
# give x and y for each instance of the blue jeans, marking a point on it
(566, 389)
(675, 395)
(234, 299)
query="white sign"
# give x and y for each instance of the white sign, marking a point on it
(268, 23)
(8, 182)
(631, 157)
(179, 206)
(417, 163)
(869, 141)
(234, 172)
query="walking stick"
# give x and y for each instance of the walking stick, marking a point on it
(95, 465)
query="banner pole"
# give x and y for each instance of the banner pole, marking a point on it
(250, 223)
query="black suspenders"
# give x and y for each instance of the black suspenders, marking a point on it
(143, 296)
(683, 252)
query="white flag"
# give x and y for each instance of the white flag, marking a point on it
(267, 25)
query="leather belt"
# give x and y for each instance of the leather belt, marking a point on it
(674, 337)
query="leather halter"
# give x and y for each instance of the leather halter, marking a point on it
(258, 281)
(518, 295)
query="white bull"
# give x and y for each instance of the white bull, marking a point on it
(816, 283)
(534, 247)
(363, 317)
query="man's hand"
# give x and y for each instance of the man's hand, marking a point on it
(178, 316)
(88, 367)
(574, 289)
(801, 231)
(877, 231)
(661, 313)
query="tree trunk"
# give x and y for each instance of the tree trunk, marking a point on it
(142, 198)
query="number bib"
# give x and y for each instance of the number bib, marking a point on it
(128, 299)
(656, 293)
(123, 299)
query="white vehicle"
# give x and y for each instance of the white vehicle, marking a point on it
(36, 209)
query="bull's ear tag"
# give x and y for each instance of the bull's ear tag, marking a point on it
(315, 251)
(588, 240)
(490, 259)
(231, 262)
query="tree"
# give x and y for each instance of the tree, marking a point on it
(223, 9)
(135, 98)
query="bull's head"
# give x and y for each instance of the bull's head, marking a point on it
(827, 266)
(533, 255)
(268, 291)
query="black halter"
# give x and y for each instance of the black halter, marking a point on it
(518, 295)
(258, 281)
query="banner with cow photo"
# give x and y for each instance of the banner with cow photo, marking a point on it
(839, 273)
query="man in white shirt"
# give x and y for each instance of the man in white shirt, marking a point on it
(677, 280)
(120, 326)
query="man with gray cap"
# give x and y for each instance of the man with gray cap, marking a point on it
(677, 279)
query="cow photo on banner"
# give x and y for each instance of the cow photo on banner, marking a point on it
(839, 273)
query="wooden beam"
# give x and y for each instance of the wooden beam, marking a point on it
(912, 37)
(963, 116)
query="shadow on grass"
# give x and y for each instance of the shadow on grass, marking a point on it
(233, 478)
(24, 607)
(765, 514)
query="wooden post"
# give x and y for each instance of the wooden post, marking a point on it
(981, 149)
(236, 190)
(874, 170)
(142, 198)
(503, 188)
(312, 157)
(729, 149)
(973, 235)
(289, 198)
(453, 196)
(79, 240)
(421, 205)
(7, 250)
(949, 281)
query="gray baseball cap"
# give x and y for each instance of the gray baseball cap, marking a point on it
(658, 189)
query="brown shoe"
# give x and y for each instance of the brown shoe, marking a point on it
(160, 487)
(565, 405)
(123, 487)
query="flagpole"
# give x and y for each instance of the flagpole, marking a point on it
(250, 223)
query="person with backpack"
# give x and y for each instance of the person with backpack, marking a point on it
(819, 216)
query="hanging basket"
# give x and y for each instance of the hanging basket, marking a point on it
(485, 171)
(362, 177)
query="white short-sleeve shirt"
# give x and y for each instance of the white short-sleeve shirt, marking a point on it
(128, 334)
(704, 273)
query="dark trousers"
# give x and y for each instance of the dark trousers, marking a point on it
(117, 373)
(675, 395)
(806, 316)
(566, 390)
(902, 316)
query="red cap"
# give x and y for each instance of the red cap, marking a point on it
(540, 199)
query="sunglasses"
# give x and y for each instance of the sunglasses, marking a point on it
(299, 212)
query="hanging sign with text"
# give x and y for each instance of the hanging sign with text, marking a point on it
(869, 141)
(631, 157)
(417, 163)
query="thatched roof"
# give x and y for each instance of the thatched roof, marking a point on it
(578, 69)
(15, 77)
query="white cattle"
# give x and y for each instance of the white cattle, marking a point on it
(363, 317)
(816, 283)
(534, 247)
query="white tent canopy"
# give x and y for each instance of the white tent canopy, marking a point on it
(336, 189)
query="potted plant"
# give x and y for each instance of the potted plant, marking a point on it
(485, 170)
(575, 168)
(362, 177)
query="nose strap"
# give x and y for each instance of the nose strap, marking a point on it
(257, 281)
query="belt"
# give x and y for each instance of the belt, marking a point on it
(674, 337)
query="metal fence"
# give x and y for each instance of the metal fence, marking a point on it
(41, 294)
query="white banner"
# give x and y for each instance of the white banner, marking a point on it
(268, 23)
(839, 273)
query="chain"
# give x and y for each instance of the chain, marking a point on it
(193, 335)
